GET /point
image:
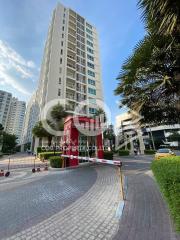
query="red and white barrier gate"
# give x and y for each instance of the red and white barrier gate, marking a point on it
(112, 162)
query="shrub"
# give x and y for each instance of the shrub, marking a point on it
(108, 155)
(47, 155)
(149, 151)
(123, 152)
(55, 162)
(167, 173)
(39, 150)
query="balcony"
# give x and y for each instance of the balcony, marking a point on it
(71, 64)
(70, 84)
(70, 94)
(72, 32)
(70, 56)
(72, 25)
(72, 13)
(71, 47)
(72, 19)
(71, 73)
(71, 39)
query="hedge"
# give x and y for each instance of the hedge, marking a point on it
(167, 173)
(149, 151)
(108, 155)
(47, 155)
(123, 152)
(55, 162)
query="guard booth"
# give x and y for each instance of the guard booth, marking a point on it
(78, 140)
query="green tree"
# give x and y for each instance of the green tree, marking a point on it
(101, 114)
(161, 16)
(175, 136)
(9, 143)
(40, 132)
(149, 82)
(109, 134)
(58, 114)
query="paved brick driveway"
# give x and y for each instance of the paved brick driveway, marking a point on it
(60, 206)
(145, 215)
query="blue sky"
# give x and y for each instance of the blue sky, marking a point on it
(24, 25)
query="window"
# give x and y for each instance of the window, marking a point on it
(89, 31)
(88, 25)
(62, 35)
(80, 69)
(90, 65)
(61, 51)
(80, 78)
(63, 21)
(63, 28)
(89, 43)
(92, 82)
(59, 92)
(90, 73)
(60, 60)
(92, 91)
(89, 37)
(92, 110)
(90, 57)
(61, 43)
(90, 50)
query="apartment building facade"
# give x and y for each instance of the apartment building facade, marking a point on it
(5, 102)
(15, 119)
(12, 112)
(71, 66)
(31, 117)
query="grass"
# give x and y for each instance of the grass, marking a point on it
(167, 174)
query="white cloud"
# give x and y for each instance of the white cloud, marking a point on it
(13, 66)
(5, 78)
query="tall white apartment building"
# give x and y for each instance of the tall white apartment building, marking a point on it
(5, 102)
(31, 117)
(16, 118)
(71, 66)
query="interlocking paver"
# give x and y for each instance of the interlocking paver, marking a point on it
(145, 215)
(96, 207)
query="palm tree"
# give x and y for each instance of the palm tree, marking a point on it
(161, 16)
(58, 114)
(149, 82)
(101, 114)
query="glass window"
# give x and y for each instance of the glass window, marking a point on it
(89, 43)
(92, 110)
(92, 82)
(90, 65)
(89, 37)
(92, 91)
(90, 50)
(89, 31)
(90, 73)
(90, 57)
(88, 25)
(59, 92)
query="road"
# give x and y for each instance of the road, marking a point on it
(82, 203)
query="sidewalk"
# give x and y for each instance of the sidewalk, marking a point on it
(145, 215)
